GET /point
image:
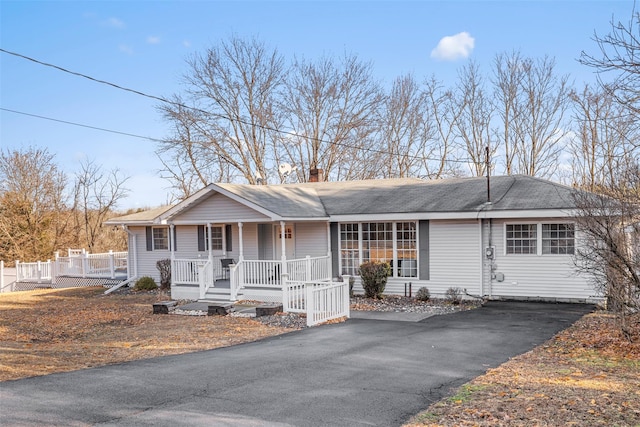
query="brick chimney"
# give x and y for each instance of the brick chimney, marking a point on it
(316, 175)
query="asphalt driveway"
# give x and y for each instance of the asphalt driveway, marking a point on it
(361, 372)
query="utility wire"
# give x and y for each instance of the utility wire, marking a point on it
(80, 124)
(178, 104)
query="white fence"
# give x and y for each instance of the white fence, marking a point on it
(309, 269)
(322, 301)
(37, 272)
(108, 264)
(78, 264)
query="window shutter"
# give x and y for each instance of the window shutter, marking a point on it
(335, 249)
(229, 240)
(201, 238)
(149, 239)
(175, 239)
(423, 242)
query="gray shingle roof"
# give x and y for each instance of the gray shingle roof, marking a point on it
(390, 196)
(407, 196)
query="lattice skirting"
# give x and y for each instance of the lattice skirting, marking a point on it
(67, 282)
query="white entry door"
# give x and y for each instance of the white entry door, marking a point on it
(289, 241)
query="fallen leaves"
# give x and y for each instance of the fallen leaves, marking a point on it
(588, 374)
(46, 331)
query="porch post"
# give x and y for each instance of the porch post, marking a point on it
(172, 247)
(241, 247)
(329, 239)
(283, 245)
(209, 241)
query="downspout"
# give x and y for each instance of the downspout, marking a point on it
(130, 278)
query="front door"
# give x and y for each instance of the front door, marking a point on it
(289, 241)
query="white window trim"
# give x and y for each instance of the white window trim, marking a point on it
(206, 239)
(167, 238)
(538, 237)
(395, 245)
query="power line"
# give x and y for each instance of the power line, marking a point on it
(80, 124)
(222, 116)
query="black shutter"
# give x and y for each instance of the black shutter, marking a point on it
(201, 238)
(229, 240)
(423, 241)
(175, 239)
(335, 249)
(149, 239)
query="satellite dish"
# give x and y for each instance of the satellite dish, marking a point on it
(259, 178)
(285, 169)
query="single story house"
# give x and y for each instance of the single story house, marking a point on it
(233, 241)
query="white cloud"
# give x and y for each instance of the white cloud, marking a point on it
(153, 40)
(126, 49)
(114, 23)
(186, 43)
(454, 47)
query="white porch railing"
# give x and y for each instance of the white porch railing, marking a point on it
(322, 301)
(38, 272)
(309, 269)
(328, 302)
(82, 264)
(294, 295)
(206, 277)
(187, 271)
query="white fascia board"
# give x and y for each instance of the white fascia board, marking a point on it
(246, 221)
(187, 202)
(532, 213)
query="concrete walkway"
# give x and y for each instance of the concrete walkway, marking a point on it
(362, 372)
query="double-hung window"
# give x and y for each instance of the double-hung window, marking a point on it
(540, 239)
(522, 239)
(395, 243)
(160, 238)
(558, 239)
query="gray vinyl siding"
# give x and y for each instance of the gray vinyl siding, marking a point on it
(265, 241)
(536, 276)
(219, 208)
(147, 259)
(454, 256)
(311, 239)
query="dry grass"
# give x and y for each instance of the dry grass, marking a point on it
(587, 375)
(47, 331)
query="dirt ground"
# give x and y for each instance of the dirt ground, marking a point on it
(47, 331)
(587, 375)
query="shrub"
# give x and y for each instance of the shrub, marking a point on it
(145, 283)
(454, 295)
(423, 294)
(164, 267)
(374, 278)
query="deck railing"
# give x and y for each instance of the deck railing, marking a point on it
(106, 264)
(38, 272)
(294, 295)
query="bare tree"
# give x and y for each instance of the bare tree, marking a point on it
(603, 140)
(618, 58)
(96, 194)
(34, 217)
(330, 107)
(444, 116)
(473, 126)
(227, 128)
(404, 130)
(507, 80)
(531, 100)
(609, 224)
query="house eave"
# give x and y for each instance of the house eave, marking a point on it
(484, 214)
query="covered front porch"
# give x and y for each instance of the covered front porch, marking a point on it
(266, 256)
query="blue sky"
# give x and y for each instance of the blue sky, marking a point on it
(143, 45)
